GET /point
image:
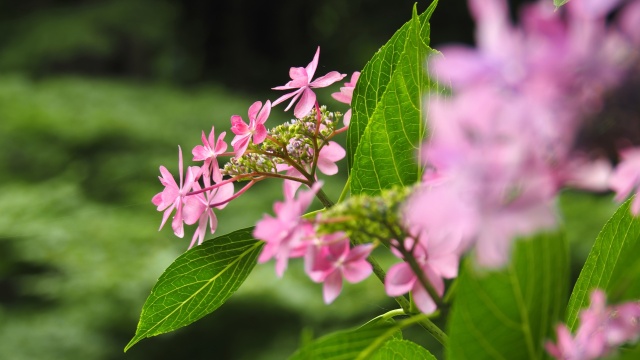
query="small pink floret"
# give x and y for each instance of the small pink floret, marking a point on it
(301, 84)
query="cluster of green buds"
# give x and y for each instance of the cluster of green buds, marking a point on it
(366, 218)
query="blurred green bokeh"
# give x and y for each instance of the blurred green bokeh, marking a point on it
(92, 101)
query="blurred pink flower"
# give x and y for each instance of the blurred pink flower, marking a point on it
(301, 82)
(506, 140)
(209, 151)
(335, 259)
(601, 330)
(287, 234)
(626, 177)
(172, 197)
(437, 260)
(258, 115)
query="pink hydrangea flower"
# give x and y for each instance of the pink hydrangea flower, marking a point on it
(173, 196)
(601, 330)
(301, 84)
(286, 235)
(346, 95)
(258, 115)
(437, 260)
(334, 260)
(626, 178)
(209, 152)
(199, 208)
(327, 158)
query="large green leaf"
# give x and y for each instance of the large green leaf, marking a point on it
(359, 343)
(387, 125)
(197, 283)
(402, 350)
(508, 314)
(612, 264)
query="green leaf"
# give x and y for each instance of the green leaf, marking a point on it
(387, 125)
(559, 3)
(509, 313)
(197, 283)
(402, 350)
(359, 343)
(612, 264)
(632, 353)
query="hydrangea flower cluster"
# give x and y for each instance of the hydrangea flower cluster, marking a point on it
(294, 152)
(523, 122)
(602, 329)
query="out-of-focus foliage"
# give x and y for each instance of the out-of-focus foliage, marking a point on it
(192, 41)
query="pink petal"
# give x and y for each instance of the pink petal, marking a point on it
(177, 224)
(299, 76)
(212, 138)
(157, 200)
(446, 265)
(332, 287)
(193, 209)
(200, 153)
(268, 229)
(260, 134)
(221, 194)
(253, 110)
(263, 115)
(399, 280)
(342, 96)
(313, 65)
(357, 271)
(359, 252)
(221, 146)
(306, 103)
(327, 79)
(238, 126)
(240, 144)
(329, 154)
(423, 301)
(346, 119)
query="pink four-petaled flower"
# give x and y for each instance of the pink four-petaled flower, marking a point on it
(329, 263)
(172, 197)
(436, 260)
(209, 151)
(602, 329)
(302, 84)
(286, 235)
(258, 115)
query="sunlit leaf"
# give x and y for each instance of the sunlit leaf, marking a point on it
(402, 350)
(612, 264)
(509, 313)
(197, 283)
(387, 124)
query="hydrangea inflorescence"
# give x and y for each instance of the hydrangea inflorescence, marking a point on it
(506, 138)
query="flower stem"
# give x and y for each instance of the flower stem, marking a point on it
(324, 199)
(435, 331)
